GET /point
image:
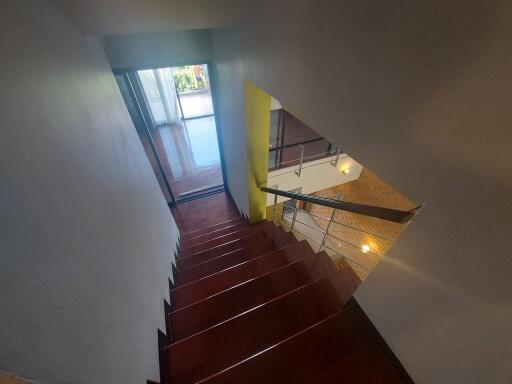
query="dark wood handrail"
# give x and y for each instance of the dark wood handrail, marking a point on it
(388, 214)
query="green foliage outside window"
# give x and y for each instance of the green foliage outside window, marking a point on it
(186, 80)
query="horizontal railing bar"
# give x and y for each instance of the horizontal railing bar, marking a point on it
(334, 237)
(325, 246)
(388, 214)
(307, 225)
(284, 146)
(364, 231)
(309, 213)
(353, 245)
(307, 157)
(306, 165)
(342, 224)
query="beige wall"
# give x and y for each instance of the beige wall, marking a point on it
(230, 72)
(86, 237)
(7, 379)
(419, 92)
(158, 49)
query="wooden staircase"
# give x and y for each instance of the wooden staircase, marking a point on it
(251, 304)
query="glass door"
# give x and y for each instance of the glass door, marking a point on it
(176, 106)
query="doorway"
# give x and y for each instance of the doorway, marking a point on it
(173, 111)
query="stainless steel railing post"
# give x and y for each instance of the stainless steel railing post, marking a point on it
(274, 210)
(299, 171)
(295, 209)
(331, 219)
(334, 163)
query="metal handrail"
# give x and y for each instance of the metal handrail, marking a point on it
(394, 215)
(295, 220)
(307, 163)
(343, 224)
(322, 245)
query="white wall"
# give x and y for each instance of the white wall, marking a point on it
(158, 49)
(315, 176)
(230, 73)
(420, 93)
(85, 234)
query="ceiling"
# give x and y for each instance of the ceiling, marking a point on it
(112, 17)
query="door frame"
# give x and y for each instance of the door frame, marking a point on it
(125, 71)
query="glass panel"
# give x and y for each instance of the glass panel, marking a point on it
(186, 148)
(152, 160)
(272, 159)
(131, 104)
(295, 131)
(312, 151)
(274, 129)
(160, 95)
(190, 155)
(193, 86)
(141, 130)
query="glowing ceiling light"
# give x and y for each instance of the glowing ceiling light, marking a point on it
(365, 248)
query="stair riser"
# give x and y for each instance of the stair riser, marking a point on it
(212, 228)
(246, 335)
(217, 264)
(339, 349)
(246, 242)
(184, 243)
(201, 289)
(218, 308)
(264, 228)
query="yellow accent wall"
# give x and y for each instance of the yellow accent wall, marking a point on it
(257, 125)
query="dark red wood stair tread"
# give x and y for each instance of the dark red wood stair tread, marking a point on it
(226, 304)
(244, 242)
(263, 226)
(340, 349)
(254, 331)
(232, 258)
(213, 234)
(211, 228)
(207, 286)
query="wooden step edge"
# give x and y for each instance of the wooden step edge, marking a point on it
(269, 302)
(316, 301)
(272, 347)
(235, 250)
(248, 281)
(254, 260)
(273, 231)
(232, 228)
(249, 229)
(206, 261)
(220, 225)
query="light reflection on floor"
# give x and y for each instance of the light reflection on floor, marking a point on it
(196, 104)
(190, 154)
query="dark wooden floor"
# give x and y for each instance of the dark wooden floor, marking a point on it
(204, 212)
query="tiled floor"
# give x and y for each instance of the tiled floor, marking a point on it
(204, 212)
(189, 154)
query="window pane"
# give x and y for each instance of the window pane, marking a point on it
(274, 129)
(295, 131)
(193, 85)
